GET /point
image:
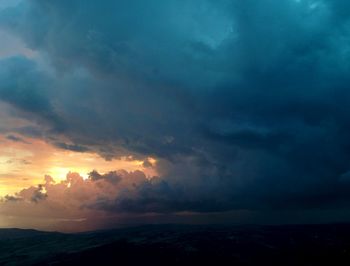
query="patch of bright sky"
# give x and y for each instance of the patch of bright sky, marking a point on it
(25, 163)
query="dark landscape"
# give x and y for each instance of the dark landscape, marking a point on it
(181, 245)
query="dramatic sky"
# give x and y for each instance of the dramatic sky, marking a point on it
(119, 112)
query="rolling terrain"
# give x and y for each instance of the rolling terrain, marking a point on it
(181, 245)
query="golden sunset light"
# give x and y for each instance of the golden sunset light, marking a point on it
(25, 162)
(169, 116)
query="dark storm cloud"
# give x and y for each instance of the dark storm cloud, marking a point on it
(38, 194)
(16, 139)
(112, 177)
(24, 86)
(244, 103)
(71, 147)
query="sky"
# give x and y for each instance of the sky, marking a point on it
(121, 112)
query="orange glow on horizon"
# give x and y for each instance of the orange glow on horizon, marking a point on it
(26, 162)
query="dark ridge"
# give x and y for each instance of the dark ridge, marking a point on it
(184, 245)
(13, 233)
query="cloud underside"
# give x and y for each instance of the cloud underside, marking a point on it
(245, 104)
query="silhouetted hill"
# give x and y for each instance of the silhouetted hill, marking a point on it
(183, 245)
(20, 233)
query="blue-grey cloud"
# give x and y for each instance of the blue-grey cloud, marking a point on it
(244, 103)
(16, 139)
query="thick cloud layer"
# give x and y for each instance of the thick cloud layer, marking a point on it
(245, 104)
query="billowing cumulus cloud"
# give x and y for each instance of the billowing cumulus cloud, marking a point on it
(244, 104)
(110, 195)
